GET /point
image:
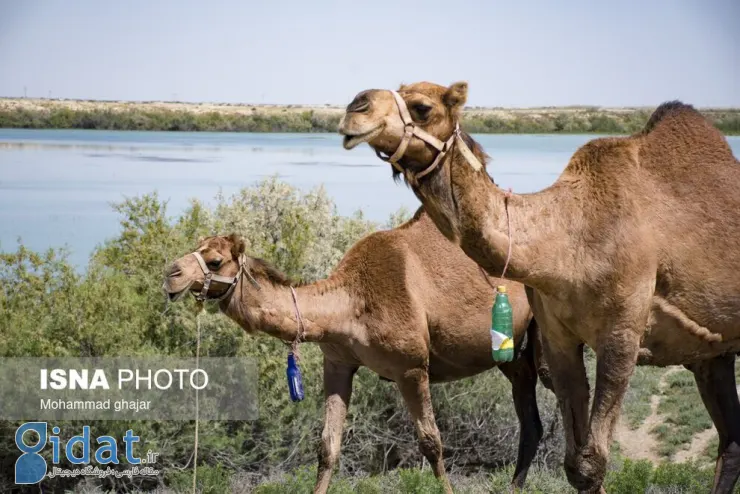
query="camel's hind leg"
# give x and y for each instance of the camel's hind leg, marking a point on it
(414, 386)
(523, 376)
(337, 390)
(716, 381)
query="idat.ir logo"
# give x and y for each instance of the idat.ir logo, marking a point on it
(31, 467)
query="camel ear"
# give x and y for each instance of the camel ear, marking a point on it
(456, 95)
(237, 245)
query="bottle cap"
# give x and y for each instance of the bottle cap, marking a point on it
(501, 288)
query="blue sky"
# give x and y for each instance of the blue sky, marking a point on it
(512, 53)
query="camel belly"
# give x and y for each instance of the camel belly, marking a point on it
(667, 342)
(466, 355)
(452, 356)
(443, 370)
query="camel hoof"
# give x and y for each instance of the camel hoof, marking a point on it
(600, 490)
(728, 470)
(516, 485)
(587, 472)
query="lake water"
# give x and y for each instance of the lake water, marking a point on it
(56, 186)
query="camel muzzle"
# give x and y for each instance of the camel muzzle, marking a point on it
(208, 278)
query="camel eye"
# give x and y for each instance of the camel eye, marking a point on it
(422, 110)
(214, 264)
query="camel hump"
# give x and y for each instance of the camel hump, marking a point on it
(669, 109)
(682, 127)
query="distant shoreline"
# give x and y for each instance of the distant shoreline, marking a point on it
(37, 113)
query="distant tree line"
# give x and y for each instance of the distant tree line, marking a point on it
(548, 121)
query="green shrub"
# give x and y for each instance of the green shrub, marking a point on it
(634, 477)
(684, 411)
(415, 481)
(642, 477)
(688, 477)
(209, 480)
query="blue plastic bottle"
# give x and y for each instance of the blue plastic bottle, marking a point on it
(295, 381)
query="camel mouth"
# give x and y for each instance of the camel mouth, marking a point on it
(174, 296)
(353, 140)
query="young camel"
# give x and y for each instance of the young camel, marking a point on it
(406, 303)
(633, 251)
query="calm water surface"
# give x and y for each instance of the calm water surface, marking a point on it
(56, 186)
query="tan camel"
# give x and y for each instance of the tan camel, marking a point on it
(406, 303)
(633, 251)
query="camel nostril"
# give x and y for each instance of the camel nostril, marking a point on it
(360, 104)
(174, 271)
(362, 108)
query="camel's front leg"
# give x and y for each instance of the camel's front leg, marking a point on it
(414, 386)
(563, 353)
(565, 358)
(337, 390)
(616, 358)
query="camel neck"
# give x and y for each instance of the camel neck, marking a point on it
(327, 309)
(473, 210)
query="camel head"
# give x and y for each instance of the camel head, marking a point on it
(220, 265)
(425, 112)
(414, 128)
(220, 258)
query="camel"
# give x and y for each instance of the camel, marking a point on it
(406, 303)
(633, 251)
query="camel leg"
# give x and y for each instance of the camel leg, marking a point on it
(571, 388)
(616, 358)
(522, 373)
(337, 392)
(716, 381)
(563, 353)
(543, 370)
(414, 387)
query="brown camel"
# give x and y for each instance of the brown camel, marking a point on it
(406, 303)
(633, 251)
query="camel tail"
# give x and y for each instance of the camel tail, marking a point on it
(686, 322)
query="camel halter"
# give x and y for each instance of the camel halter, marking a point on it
(411, 129)
(210, 276)
(301, 333)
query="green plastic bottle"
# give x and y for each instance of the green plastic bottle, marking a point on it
(502, 327)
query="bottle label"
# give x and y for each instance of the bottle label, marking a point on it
(500, 341)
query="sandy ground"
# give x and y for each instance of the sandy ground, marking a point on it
(640, 444)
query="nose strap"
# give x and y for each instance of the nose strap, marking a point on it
(210, 276)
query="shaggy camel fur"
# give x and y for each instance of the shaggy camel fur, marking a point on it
(633, 251)
(406, 303)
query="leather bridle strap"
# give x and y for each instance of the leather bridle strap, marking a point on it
(412, 130)
(210, 277)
